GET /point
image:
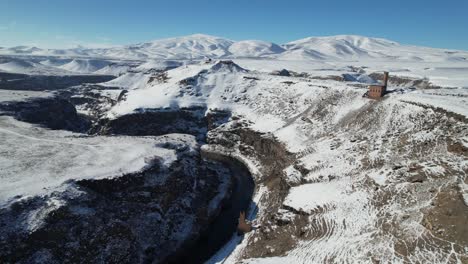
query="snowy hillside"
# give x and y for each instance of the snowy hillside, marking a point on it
(350, 47)
(355, 162)
(196, 46)
(84, 66)
(94, 158)
(342, 47)
(28, 67)
(254, 49)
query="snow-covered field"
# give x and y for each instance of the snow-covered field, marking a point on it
(46, 159)
(371, 180)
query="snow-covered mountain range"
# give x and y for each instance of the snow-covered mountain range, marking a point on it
(200, 46)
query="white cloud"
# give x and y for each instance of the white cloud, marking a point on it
(8, 26)
(104, 39)
(64, 41)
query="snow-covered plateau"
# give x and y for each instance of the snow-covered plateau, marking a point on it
(148, 152)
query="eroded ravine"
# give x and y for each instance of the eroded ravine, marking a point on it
(121, 194)
(224, 225)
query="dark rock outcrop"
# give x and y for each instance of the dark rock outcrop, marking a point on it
(156, 122)
(53, 113)
(147, 217)
(49, 83)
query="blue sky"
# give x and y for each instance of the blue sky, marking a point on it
(99, 23)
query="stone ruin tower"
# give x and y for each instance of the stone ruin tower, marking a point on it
(377, 91)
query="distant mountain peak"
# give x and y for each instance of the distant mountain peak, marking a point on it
(255, 48)
(200, 35)
(354, 39)
(197, 36)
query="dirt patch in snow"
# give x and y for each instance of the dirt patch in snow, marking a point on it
(447, 217)
(405, 81)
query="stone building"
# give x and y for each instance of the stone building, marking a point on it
(377, 91)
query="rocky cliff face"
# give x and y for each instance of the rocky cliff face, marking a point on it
(157, 122)
(150, 216)
(54, 113)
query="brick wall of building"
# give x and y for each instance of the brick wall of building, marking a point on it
(376, 91)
